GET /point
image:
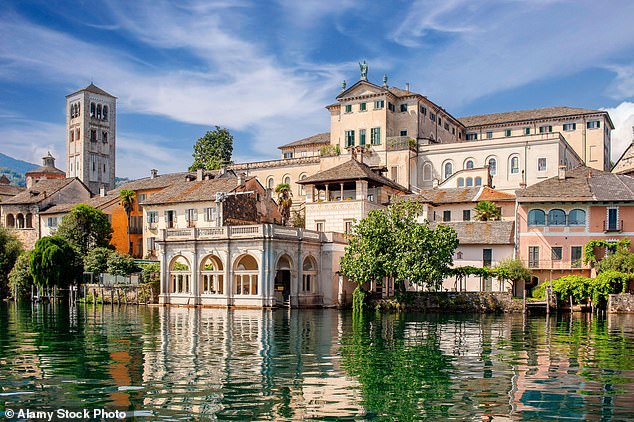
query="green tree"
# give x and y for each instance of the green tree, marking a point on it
(54, 262)
(284, 201)
(96, 261)
(85, 228)
(121, 264)
(213, 150)
(512, 270)
(126, 199)
(10, 249)
(622, 260)
(20, 278)
(487, 211)
(392, 244)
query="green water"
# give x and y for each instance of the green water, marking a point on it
(180, 363)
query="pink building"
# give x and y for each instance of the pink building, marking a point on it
(557, 217)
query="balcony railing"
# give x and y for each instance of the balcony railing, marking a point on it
(613, 226)
(554, 264)
(240, 232)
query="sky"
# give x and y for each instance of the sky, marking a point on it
(266, 69)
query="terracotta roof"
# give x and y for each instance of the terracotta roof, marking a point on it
(580, 184)
(46, 170)
(524, 115)
(12, 190)
(194, 191)
(320, 138)
(351, 170)
(40, 190)
(625, 164)
(158, 182)
(482, 232)
(97, 202)
(4, 180)
(460, 195)
(94, 89)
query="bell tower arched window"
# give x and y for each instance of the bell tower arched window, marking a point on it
(99, 111)
(105, 112)
(93, 109)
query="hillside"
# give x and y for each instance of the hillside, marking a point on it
(15, 169)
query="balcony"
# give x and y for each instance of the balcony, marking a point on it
(554, 264)
(612, 226)
(240, 232)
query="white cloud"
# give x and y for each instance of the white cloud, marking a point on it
(623, 119)
(137, 155)
(623, 84)
(30, 140)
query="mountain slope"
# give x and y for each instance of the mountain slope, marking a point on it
(15, 169)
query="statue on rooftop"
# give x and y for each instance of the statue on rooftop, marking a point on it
(364, 70)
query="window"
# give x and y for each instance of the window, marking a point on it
(595, 124)
(394, 173)
(210, 214)
(93, 135)
(446, 215)
(575, 256)
(489, 135)
(556, 253)
(403, 108)
(52, 222)
(427, 171)
(246, 276)
(472, 136)
(270, 183)
(448, 167)
(92, 109)
(432, 117)
(151, 244)
(459, 255)
(99, 111)
(469, 182)
(556, 217)
(152, 217)
(375, 136)
(545, 129)
(349, 138)
(507, 132)
(527, 131)
(287, 180)
(466, 215)
(348, 108)
(348, 226)
(570, 127)
(446, 126)
(541, 164)
(453, 130)
(362, 107)
(468, 164)
(361, 136)
(378, 104)
(391, 107)
(536, 218)
(403, 133)
(170, 219)
(105, 112)
(493, 166)
(423, 110)
(319, 226)
(577, 218)
(191, 215)
(478, 181)
(613, 219)
(309, 274)
(533, 256)
(439, 121)
(487, 257)
(288, 155)
(515, 165)
(461, 182)
(104, 137)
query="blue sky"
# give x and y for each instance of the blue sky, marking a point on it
(266, 69)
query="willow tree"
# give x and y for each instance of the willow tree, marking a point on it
(284, 201)
(54, 262)
(126, 199)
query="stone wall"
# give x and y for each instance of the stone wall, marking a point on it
(621, 303)
(478, 302)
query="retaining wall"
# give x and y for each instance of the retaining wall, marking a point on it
(475, 302)
(622, 303)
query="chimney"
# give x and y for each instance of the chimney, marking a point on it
(361, 150)
(434, 183)
(199, 175)
(562, 173)
(102, 191)
(153, 173)
(407, 86)
(240, 179)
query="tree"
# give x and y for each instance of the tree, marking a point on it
(487, 211)
(512, 270)
(392, 244)
(85, 228)
(96, 261)
(10, 249)
(126, 199)
(121, 264)
(213, 150)
(622, 260)
(20, 278)
(54, 262)
(284, 201)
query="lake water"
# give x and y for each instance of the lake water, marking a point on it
(179, 363)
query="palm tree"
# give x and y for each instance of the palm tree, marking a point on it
(284, 201)
(487, 211)
(126, 199)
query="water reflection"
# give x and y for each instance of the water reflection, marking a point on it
(321, 364)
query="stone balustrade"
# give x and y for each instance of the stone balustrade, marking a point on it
(240, 232)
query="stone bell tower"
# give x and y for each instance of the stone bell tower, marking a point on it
(91, 123)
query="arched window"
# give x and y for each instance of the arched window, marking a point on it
(71, 135)
(577, 218)
(78, 105)
(211, 276)
(19, 222)
(309, 275)
(493, 166)
(179, 275)
(287, 180)
(301, 189)
(93, 109)
(468, 164)
(478, 181)
(514, 165)
(460, 182)
(10, 221)
(427, 172)
(246, 276)
(99, 111)
(536, 218)
(105, 112)
(448, 169)
(270, 183)
(556, 217)
(469, 181)
(77, 133)
(29, 221)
